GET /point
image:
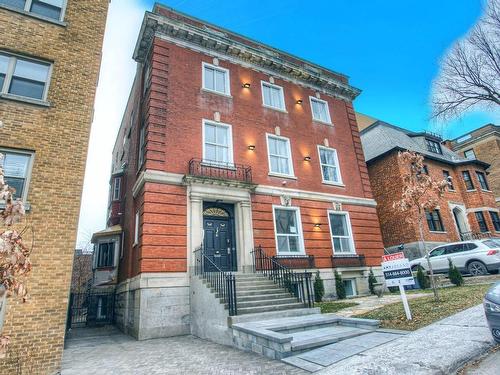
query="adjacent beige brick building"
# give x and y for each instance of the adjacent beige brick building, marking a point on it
(49, 64)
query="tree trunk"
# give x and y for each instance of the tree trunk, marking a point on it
(421, 230)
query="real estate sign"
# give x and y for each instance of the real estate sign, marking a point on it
(397, 272)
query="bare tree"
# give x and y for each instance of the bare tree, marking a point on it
(420, 194)
(470, 72)
(82, 269)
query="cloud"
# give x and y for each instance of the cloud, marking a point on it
(116, 76)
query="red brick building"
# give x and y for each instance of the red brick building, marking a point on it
(230, 144)
(467, 208)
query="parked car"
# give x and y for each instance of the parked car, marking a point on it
(492, 310)
(477, 257)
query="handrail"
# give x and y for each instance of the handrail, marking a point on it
(297, 283)
(223, 282)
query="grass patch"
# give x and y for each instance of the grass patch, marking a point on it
(425, 310)
(331, 307)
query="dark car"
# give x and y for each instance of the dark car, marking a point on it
(492, 310)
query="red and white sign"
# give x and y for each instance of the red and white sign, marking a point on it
(391, 257)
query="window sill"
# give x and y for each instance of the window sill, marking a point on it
(17, 98)
(338, 184)
(323, 122)
(438, 232)
(302, 254)
(470, 191)
(290, 177)
(34, 15)
(350, 255)
(486, 191)
(105, 268)
(275, 109)
(229, 166)
(229, 96)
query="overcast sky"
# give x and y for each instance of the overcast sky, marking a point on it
(389, 48)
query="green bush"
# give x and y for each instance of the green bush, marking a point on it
(372, 280)
(393, 289)
(454, 274)
(339, 286)
(422, 278)
(319, 288)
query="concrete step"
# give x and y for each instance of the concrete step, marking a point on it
(266, 302)
(270, 307)
(247, 288)
(299, 313)
(256, 284)
(315, 338)
(260, 297)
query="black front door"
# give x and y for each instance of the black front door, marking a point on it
(218, 242)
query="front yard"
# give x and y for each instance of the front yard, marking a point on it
(425, 310)
(331, 307)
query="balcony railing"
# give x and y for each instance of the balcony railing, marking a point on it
(348, 261)
(220, 171)
(296, 261)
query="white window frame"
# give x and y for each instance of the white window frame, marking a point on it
(136, 228)
(117, 185)
(300, 233)
(264, 83)
(473, 153)
(290, 159)
(354, 287)
(4, 90)
(329, 121)
(31, 154)
(227, 86)
(27, 7)
(337, 165)
(230, 162)
(349, 228)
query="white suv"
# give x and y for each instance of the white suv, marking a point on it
(476, 257)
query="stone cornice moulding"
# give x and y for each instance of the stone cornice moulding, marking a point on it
(221, 45)
(157, 177)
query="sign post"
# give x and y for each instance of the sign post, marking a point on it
(397, 272)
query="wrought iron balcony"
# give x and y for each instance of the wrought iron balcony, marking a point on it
(296, 261)
(348, 261)
(220, 171)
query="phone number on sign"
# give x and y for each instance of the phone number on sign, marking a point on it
(396, 274)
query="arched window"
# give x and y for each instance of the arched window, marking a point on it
(215, 211)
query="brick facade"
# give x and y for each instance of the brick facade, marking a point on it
(58, 135)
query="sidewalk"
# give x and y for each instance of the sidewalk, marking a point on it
(440, 348)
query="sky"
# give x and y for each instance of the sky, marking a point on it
(390, 49)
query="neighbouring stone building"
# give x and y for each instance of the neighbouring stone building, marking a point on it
(467, 209)
(483, 144)
(226, 145)
(50, 53)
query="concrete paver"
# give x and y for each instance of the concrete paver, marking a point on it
(369, 303)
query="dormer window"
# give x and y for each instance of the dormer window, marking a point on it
(433, 146)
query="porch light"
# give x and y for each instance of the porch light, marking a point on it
(299, 101)
(246, 85)
(251, 147)
(307, 158)
(317, 225)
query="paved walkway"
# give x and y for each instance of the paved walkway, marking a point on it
(114, 353)
(369, 303)
(440, 348)
(488, 365)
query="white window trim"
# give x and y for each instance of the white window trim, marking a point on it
(264, 83)
(230, 162)
(10, 73)
(337, 164)
(116, 181)
(27, 7)
(299, 230)
(329, 122)
(227, 82)
(290, 158)
(354, 287)
(349, 228)
(29, 170)
(136, 229)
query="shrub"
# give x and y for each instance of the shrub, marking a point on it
(339, 286)
(422, 278)
(372, 280)
(393, 289)
(319, 288)
(454, 274)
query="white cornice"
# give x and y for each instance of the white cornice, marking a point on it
(156, 177)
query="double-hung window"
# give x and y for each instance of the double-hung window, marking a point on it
(320, 111)
(482, 180)
(142, 146)
(341, 232)
(17, 170)
(470, 154)
(53, 9)
(329, 165)
(448, 179)
(434, 221)
(136, 228)
(116, 188)
(469, 185)
(217, 143)
(106, 254)
(288, 230)
(483, 227)
(280, 155)
(216, 79)
(272, 96)
(24, 77)
(495, 218)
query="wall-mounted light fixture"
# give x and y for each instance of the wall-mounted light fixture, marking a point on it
(317, 225)
(251, 147)
(307, 158)
(246, 85)
(299, 101)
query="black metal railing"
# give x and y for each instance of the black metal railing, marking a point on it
(348, 261)
(469, 236)
(220, 171)
(224, 283)
(296, 261)
(297, 283)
